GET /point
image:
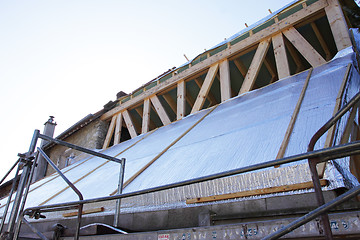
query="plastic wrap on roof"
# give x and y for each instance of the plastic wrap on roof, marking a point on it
(240, 132)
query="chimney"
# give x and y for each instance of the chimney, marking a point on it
(40, 170)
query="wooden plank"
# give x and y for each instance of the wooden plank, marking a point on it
(304, 47)
(181, 106)
(146, 116)
(290, 127)
(110, 132)
(88, 211)
(235, 49)
(338, 25)
(225, 84)
(331, 131)
(205, 88)
(170, 101)
(322, 42)
(282, 63)
(241, 67)
(118, 128)
(160, 110)
(349, 125)
(129, 124)
(255, 192)
(255, 66)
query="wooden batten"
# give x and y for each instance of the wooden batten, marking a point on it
(160, 110)
(255, 66)
(282, 63)
(271, 190)
(88, 211)
(181, 92)
(205, 88)
(129, 124)
(225, 84)
(304, 47)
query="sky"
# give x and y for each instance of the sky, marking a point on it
(69, 58)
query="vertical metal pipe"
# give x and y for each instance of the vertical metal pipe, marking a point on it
(18, 225)
(23, 180)
(320, 197)
(9, 197)
(119, 191)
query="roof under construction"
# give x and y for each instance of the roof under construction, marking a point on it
(198, 150)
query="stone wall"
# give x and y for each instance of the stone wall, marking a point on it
(91, 136)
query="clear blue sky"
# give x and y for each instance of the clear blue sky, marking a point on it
(69, 58)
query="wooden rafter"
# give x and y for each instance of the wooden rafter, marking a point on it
(160, 110)
(152, 125)
(241, 67)
(282, 63)
(322, 42)
(295, 56)
(255, 66)
(129, 124)
(304, 47)
(118, 128)
(270, 67)
(210, 97)
(205, 88)
(338, 24)
(181, 92)
(110, 132)
(225, 84)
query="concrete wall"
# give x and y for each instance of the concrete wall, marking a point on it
(91, 136)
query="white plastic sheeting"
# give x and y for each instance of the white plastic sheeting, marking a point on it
(240, 132)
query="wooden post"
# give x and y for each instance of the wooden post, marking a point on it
(282, 63)
(118, 128)
(181, 91)
(225, 84)
(338, 25)
(146, 116)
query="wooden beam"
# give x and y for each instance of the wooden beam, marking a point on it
(160, 110)
(225, 83)
(295, 56)
(241, 67)
(255, 66)
(129, 124)
(140, 112)
(235, 49)
(290, 127)
(210, 97)
(270, 190)
(181, 98)
(270, 67)
(205, 88)
(189, 99)
(170, 101)
(110, 132)
(322, 42)
(331, 131)
(338, 25)
(118, 128)
(88, 211)
(282, 63)
(304, 47)
(146, 116)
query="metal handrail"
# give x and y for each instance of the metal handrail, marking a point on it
(325, 154)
